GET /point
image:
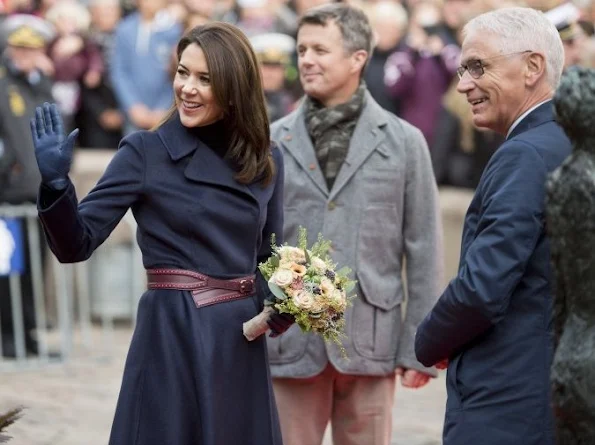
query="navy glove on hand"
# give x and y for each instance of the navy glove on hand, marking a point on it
(279, 323)
(52, 149)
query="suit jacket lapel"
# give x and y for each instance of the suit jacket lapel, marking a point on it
(296, 140)
(540, 115)
(366, 138)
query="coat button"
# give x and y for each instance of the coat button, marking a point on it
(312, 166)
(332, 205)
(288, 137)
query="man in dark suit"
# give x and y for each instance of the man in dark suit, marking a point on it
(492, 325)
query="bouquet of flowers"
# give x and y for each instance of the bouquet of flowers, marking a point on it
(306, 285)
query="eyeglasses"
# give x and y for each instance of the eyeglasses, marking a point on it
(476, 67)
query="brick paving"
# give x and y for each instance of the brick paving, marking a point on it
(73, 404)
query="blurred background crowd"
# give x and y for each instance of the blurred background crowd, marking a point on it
(109, 63)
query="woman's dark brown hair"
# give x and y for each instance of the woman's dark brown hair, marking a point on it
(235, 79)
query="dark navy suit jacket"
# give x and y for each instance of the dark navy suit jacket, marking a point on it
(494, 320)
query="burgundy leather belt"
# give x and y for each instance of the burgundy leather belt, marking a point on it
(205, 290)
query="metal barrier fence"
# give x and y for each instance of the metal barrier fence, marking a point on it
(75, 291)
(115, 269)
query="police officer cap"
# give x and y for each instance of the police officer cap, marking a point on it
(273, 48)
(26, 31)
(565, 19)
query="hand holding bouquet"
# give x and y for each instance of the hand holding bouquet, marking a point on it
(306, 285)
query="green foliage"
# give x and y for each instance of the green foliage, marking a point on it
(272, 263)
(345, 271)
(307, 255)
(277, 291)
(7, 419)
(267, 269)
(302, 238)
(10, 417)
(321, 247)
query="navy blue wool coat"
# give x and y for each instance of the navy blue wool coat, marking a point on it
(191, 378)
(494, 320)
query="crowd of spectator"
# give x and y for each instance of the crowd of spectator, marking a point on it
(110, 63)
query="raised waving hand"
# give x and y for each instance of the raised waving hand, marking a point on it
(53, 150)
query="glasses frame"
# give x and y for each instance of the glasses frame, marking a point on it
(479, 70)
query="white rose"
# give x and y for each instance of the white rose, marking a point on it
(282, 277)
(292, 254)
(303, 300)
(326, 286)
(318, 265)
(285, 263)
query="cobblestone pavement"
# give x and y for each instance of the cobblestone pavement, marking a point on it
(73, 404)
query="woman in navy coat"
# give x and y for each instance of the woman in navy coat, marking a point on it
(206, 191)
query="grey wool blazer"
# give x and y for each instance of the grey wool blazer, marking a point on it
(382, 210)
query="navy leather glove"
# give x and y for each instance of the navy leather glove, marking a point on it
(53, 149)
(279, 323)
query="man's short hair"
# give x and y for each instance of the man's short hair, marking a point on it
(352, 22)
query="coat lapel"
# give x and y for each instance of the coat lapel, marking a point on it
(366, 138)
(205, 166)
(209, 168)
(298, 144)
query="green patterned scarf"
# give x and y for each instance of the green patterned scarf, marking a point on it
(331, 129)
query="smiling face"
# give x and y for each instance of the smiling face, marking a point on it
(328, 72)
(194, 96)
(500, 95)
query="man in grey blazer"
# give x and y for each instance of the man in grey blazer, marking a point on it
(363, 178)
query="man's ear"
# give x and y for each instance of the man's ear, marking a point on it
(535, 68)
(359, 59)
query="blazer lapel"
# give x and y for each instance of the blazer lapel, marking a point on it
(298, 144)
(366, 138)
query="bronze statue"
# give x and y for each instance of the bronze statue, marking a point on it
(570, 216)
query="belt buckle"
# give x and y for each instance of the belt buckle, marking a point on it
(246, 286)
